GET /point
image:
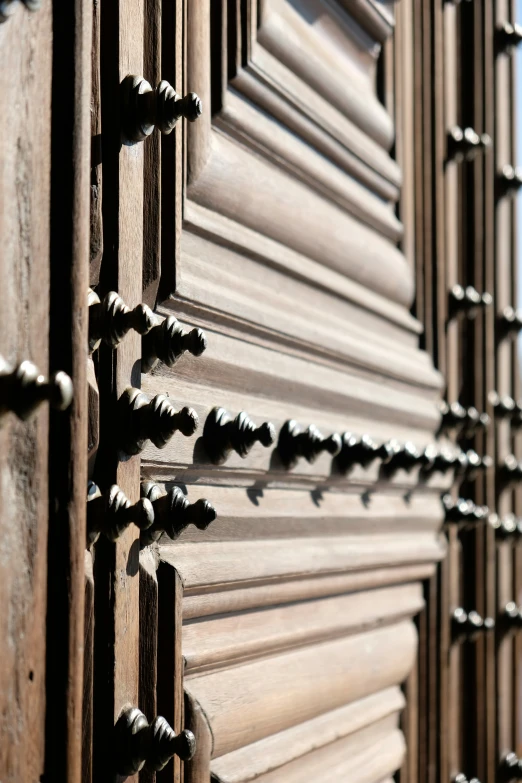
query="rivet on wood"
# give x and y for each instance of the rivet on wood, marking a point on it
(467, 301)
(356, 450)
(110, 320)
(310, 443)
(224, 434)
(112, 512)
(173, 512)
(167, 341)
(509, 321)
(507, 37)
(24, 388)
(138, 743)
(144, 108)
(509, 180)
(143, 418)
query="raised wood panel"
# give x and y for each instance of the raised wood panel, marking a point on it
(284, 690)
(282, 748)
(236, 562)
(304, 296)
(285, 30)
(320, 229)
(370, 765)
(264, 135)
(235, 637)
(202, 604)
(262, 513)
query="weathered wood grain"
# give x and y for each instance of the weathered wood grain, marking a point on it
(25, 154)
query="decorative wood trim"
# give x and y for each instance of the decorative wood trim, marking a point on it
(217, 601)
(302, 690)
(234, 638)
(243, 563)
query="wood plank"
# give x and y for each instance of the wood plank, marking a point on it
(203, 604)
(88, 672)
(69, 253)
(283, 690)
(170, 664)
(234, 637)
(319, 230)
(238, 563)
(286, 513)
(148, 650)
(25, 100)
(344, 762)
(287, 36)
(282, 748)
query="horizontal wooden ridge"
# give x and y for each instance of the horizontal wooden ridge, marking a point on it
(346, 760)
(230, 638)
(320, 229)
(246, 703)
(202, 602)
(309, 53)
(242, 563)
(279, 749)
(247, 514)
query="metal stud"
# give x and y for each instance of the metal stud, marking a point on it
(110, 320)
(510, 768)
(506, 527)
(112, 512)
(470, 464)
(467, 301)
(167, 341)
(507, 37)
(466, 626)
(8, 7)
(510, 470)
(173, 512)
(511, 618)
(509, 180)
(224, 434)
(138, 743)
(356, 450)
(310, 443)
(144, 109)
(509, 321)
(23, 389)
(404, 456)
(143, 418)
(465, 143)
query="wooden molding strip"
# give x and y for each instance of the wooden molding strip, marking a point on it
(265, 136)
(286, 746)
(256, 514)
(284, 690)
(371, 16)
(342, 761)
(245, 563)
(341, 142)
(319, 229)
(309, 54)
(310, 323)
(200, 603)
(229, 639)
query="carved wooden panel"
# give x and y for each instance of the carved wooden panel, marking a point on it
(291, 259)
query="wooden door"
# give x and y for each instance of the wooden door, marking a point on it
(243, 241)
(284, 612)
(44, 227)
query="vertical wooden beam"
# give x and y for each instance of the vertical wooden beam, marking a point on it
(70, 213)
